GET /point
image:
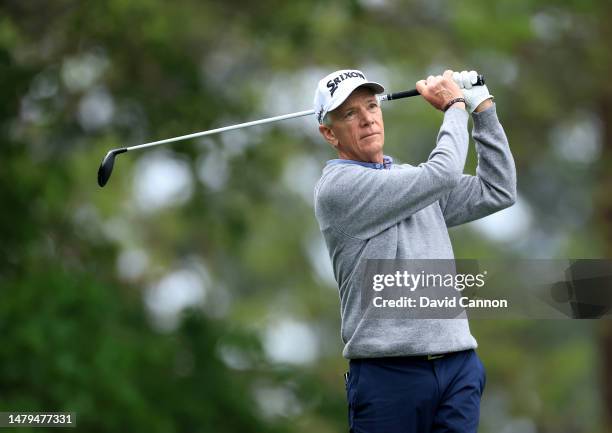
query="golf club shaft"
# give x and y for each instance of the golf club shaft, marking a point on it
(387, 97)
(382, 98)
(225, 128)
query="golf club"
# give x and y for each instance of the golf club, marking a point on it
(106, 167)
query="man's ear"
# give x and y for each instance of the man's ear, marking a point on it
(329, 135)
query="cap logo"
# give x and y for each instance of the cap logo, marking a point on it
(332, 84)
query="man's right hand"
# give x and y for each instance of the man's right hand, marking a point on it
(440, 89)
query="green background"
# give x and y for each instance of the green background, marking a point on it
(193, 293)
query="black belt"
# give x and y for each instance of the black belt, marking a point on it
(408, 357)
(431, 357)
(416, 357)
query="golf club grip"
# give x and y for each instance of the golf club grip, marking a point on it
(400, 95)
(414, 92)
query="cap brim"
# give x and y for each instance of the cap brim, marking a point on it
(376, 87)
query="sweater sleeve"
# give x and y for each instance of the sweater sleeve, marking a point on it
(361, 202)
(494, 186)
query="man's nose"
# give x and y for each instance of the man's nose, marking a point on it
(367, 118)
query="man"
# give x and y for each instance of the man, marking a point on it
(406, 375)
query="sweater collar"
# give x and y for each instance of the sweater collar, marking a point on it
(386, 164)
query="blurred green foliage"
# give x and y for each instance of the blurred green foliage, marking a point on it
(79, 78)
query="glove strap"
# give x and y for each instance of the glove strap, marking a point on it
(453, 101)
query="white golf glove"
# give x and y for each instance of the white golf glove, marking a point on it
(473, 95)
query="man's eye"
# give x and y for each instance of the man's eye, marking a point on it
(373, 105)
(349, 114)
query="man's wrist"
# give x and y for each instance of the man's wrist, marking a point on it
(455, 102)
(460, 105)
(487, 103)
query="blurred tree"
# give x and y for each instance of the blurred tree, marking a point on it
(83, 346)
(601, 59)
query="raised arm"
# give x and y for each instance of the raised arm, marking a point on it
(494, 186)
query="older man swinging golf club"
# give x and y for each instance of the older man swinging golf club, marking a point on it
(407, 375)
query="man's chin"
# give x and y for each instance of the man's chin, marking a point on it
(373, 145)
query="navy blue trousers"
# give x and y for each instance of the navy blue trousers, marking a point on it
(415, 395)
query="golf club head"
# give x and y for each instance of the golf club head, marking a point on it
(106, 168)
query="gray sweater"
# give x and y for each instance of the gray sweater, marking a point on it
(387, 211)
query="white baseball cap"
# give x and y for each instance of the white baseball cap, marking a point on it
(333, 90)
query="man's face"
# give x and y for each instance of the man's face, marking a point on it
(357, 130)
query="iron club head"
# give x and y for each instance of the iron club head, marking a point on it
(106, 167)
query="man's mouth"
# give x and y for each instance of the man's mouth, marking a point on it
(370, 135)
